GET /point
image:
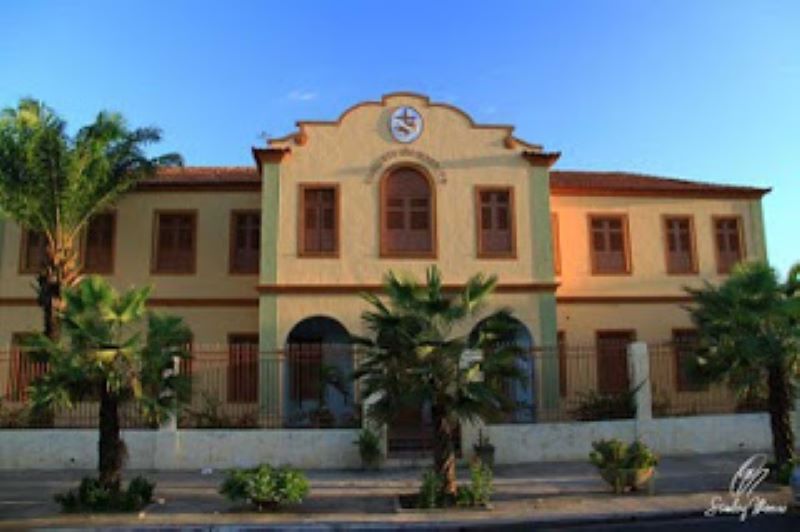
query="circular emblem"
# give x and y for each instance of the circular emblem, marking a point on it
(405, 124)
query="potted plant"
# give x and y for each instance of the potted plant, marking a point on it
(623, 466)
(369, 448)
(484, 450)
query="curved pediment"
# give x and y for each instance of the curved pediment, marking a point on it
(429, 110)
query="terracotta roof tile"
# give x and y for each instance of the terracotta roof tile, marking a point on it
(576, 182)
(203, 176)
(562, 182)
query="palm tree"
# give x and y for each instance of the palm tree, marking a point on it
(52, 183)
(749, 335)
(412, 358)
(104, 356)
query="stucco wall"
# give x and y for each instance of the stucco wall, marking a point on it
(347, 153)
(648, 262)
(334, 449)
(668, 436)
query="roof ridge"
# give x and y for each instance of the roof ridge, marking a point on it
(653, 177)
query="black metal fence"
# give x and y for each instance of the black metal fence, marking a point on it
(311, 386)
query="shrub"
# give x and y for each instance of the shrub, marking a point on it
(430, 490)
(479, 490)
(266, 487)
(92, 496)
(369, 448)
(595, 406)
(615, 454)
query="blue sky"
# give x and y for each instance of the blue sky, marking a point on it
(706, 90)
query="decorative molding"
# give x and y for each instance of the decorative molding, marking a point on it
(269, 156)
(202, 302)
(316, 289)
(401, 155)
(540, 158)
(610, 299)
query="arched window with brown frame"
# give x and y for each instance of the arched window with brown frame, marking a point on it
(408, 214)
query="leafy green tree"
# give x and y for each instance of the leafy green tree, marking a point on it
(749, 336)
(52, 183)
(413, 358)
(116, 351)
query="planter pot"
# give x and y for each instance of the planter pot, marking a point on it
(485, 455)
(265, 506)
(622, 479)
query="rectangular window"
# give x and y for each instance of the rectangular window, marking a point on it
(319, 220)
(728, 242)
(684, 342)
(680, 247)
(22, 370)
(612, 360)
(561, 340)
(33, 251)
(175, 242)
(245, 242)
(98, 244)
(243, 368)
(495, 222)
(610, 249)
(555, 243)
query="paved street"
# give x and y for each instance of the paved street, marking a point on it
(534, 495)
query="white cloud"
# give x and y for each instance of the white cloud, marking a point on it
(301, 95)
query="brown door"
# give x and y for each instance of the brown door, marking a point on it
(612, 360)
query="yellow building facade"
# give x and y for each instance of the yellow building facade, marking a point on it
(401, 184)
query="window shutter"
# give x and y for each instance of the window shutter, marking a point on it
(609, 253)
(99, 247)
(612, 361)
(246, 237)
(408, 218)
(680, 247)
(495, 222)
(729, 244)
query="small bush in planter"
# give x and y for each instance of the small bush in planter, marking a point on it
(92, 496)
(266, 487)
(476, 493)
(369, 448)
(621, 465)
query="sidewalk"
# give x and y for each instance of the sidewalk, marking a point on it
(542, 492)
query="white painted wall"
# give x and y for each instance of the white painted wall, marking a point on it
(187, 449)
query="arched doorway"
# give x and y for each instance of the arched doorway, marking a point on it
(318, 375)
(522, 394)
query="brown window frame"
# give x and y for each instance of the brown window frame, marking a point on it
(154, 269)
(721, 269)
(598, 333)
(512, 222)
(665, 219)
(626, 242)
(385, 252)
(301, 220)
(555, 242)
(235, 393)
(233, 267)
(23, 267)
(85, 242)
(682, 383)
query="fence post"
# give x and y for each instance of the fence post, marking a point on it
(167, 433)
(639, 373)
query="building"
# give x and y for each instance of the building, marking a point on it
(278, 253)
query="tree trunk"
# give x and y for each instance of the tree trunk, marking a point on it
(49, 299)
(780, 406)
(111, 448)
(444, 455)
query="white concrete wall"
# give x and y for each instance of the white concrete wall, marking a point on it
(187, 449)
(666, 436)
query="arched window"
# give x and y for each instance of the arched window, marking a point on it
(407, 214)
